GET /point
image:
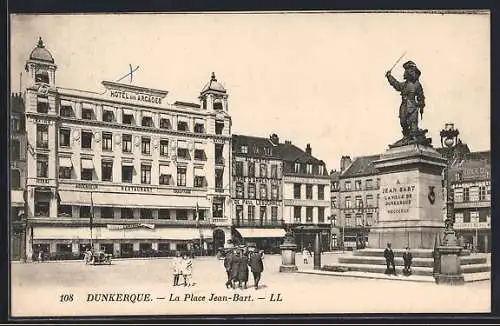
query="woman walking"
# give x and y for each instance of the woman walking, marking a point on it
(177, 267)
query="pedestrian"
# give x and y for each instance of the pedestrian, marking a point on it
(177, 267)
(243, 270)
(389, 260)
(187, 269)
(235, 265)
(256, 266)
(40, 256)
(305, 255)
(228, 260)
(407, 258)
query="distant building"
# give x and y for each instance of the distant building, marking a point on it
(336, 229)
(306, 195)
(357, 199)
(257, 191)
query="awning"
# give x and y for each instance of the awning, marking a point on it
(199, 146)
(182, 119)
(43, 100)
(77, 198)
(65, 162)
(127, 163)
(148, 200)
(66, 103)
(164, 170)
(128, 112)
(182, 144)
(199, 121)
(87, 164)
(88, 106)
(199, 172)
(147, 114)
(261, 233)
(16, 198)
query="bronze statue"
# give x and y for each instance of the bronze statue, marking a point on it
(412, 102)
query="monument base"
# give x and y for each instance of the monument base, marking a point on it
(401, 235)
(450, 279)
(288, 257)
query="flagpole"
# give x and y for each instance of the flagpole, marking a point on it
(91, 220)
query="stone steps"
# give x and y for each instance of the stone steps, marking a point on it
(416, 253)
(416, 262)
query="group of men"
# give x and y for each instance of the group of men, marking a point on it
(237, 263)
(389, 260)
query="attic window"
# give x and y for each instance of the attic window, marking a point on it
(320, 169)
(309, 168)
(218, 105)
(244, 149)
(297, 167)
(42, 77)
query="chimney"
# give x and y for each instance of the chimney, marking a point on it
(274, 139)
(345, 161)
(308, 149)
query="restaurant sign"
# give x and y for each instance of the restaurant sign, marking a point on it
(130, 226)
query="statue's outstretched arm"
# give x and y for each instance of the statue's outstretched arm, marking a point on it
(394, 82)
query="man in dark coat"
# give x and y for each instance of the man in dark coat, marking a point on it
(407, 257)
(235, 265)
(389, 260)
(257, 267)
(227, 265)
(243, 271)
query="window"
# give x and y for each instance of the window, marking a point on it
(86, 139)
(199, 128)
(42, 136)
(459, 217)
(238, 168)
(466, 194)
(183, 153)
(251, 213)
(321, 169)
(251, 169)
(263, 191)
(321, 192)
(165, 179)
(87, 114)
(42, 107)
(181, 177)
(147, 122)
(219, 127)
(274, 192)
(87, 174)
(146, 213)
(217, 104)
(357, 185)
(309, 214)
(107, 141)
(297, 168)
(163, 147)
(334, 220)
(244, 149)
(348, 221)
(107, 212)
(359, 220)
(128, 119)
(309, 168)
(15, 179)
(274, 171)
(107, 170)
(15, 125)
(251, 190)
(64, 172)
(218, 179)
(127, 173)
(334, 202)
(199, 154)
(296, 190)
(297, 213)
(127, 143)
(309, 191)
(369, 184)
(369, 200)
(65, 211)
(15, 150)
(201, 214)
(165, 123)
(108, 116)
(42, 166)
(321, 214)
(146, 145)
(347, 185)
(263, 171)
(466, 217)
(358, 202)
(482, 193)
(239, 190)
(64, 137)
(369, 219)
(85, 211)
(182, 126)
(474, 217)
(66, 111)
(458, 195)
(145, 174)
(199, 181)
(274, 213)
(218, 209)
(483, 216)
(127, 213)
(474, 194)
(42, 208)
(164, 214)
(263, 214)
(348, 202)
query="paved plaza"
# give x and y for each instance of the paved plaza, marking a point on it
(63, 289)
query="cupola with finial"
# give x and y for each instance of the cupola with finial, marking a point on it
(214, 96)
(41, 66)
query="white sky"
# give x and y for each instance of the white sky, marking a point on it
(313, 78)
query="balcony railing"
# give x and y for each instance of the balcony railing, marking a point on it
(258, 223)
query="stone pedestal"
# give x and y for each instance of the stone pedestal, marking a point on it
(288, 257)
(317, 251)
(450, 269)
(410, 202)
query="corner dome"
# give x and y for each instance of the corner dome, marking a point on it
(213, 85)
(40, 53)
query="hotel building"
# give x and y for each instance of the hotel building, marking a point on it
(153, 175)
(257, 191)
